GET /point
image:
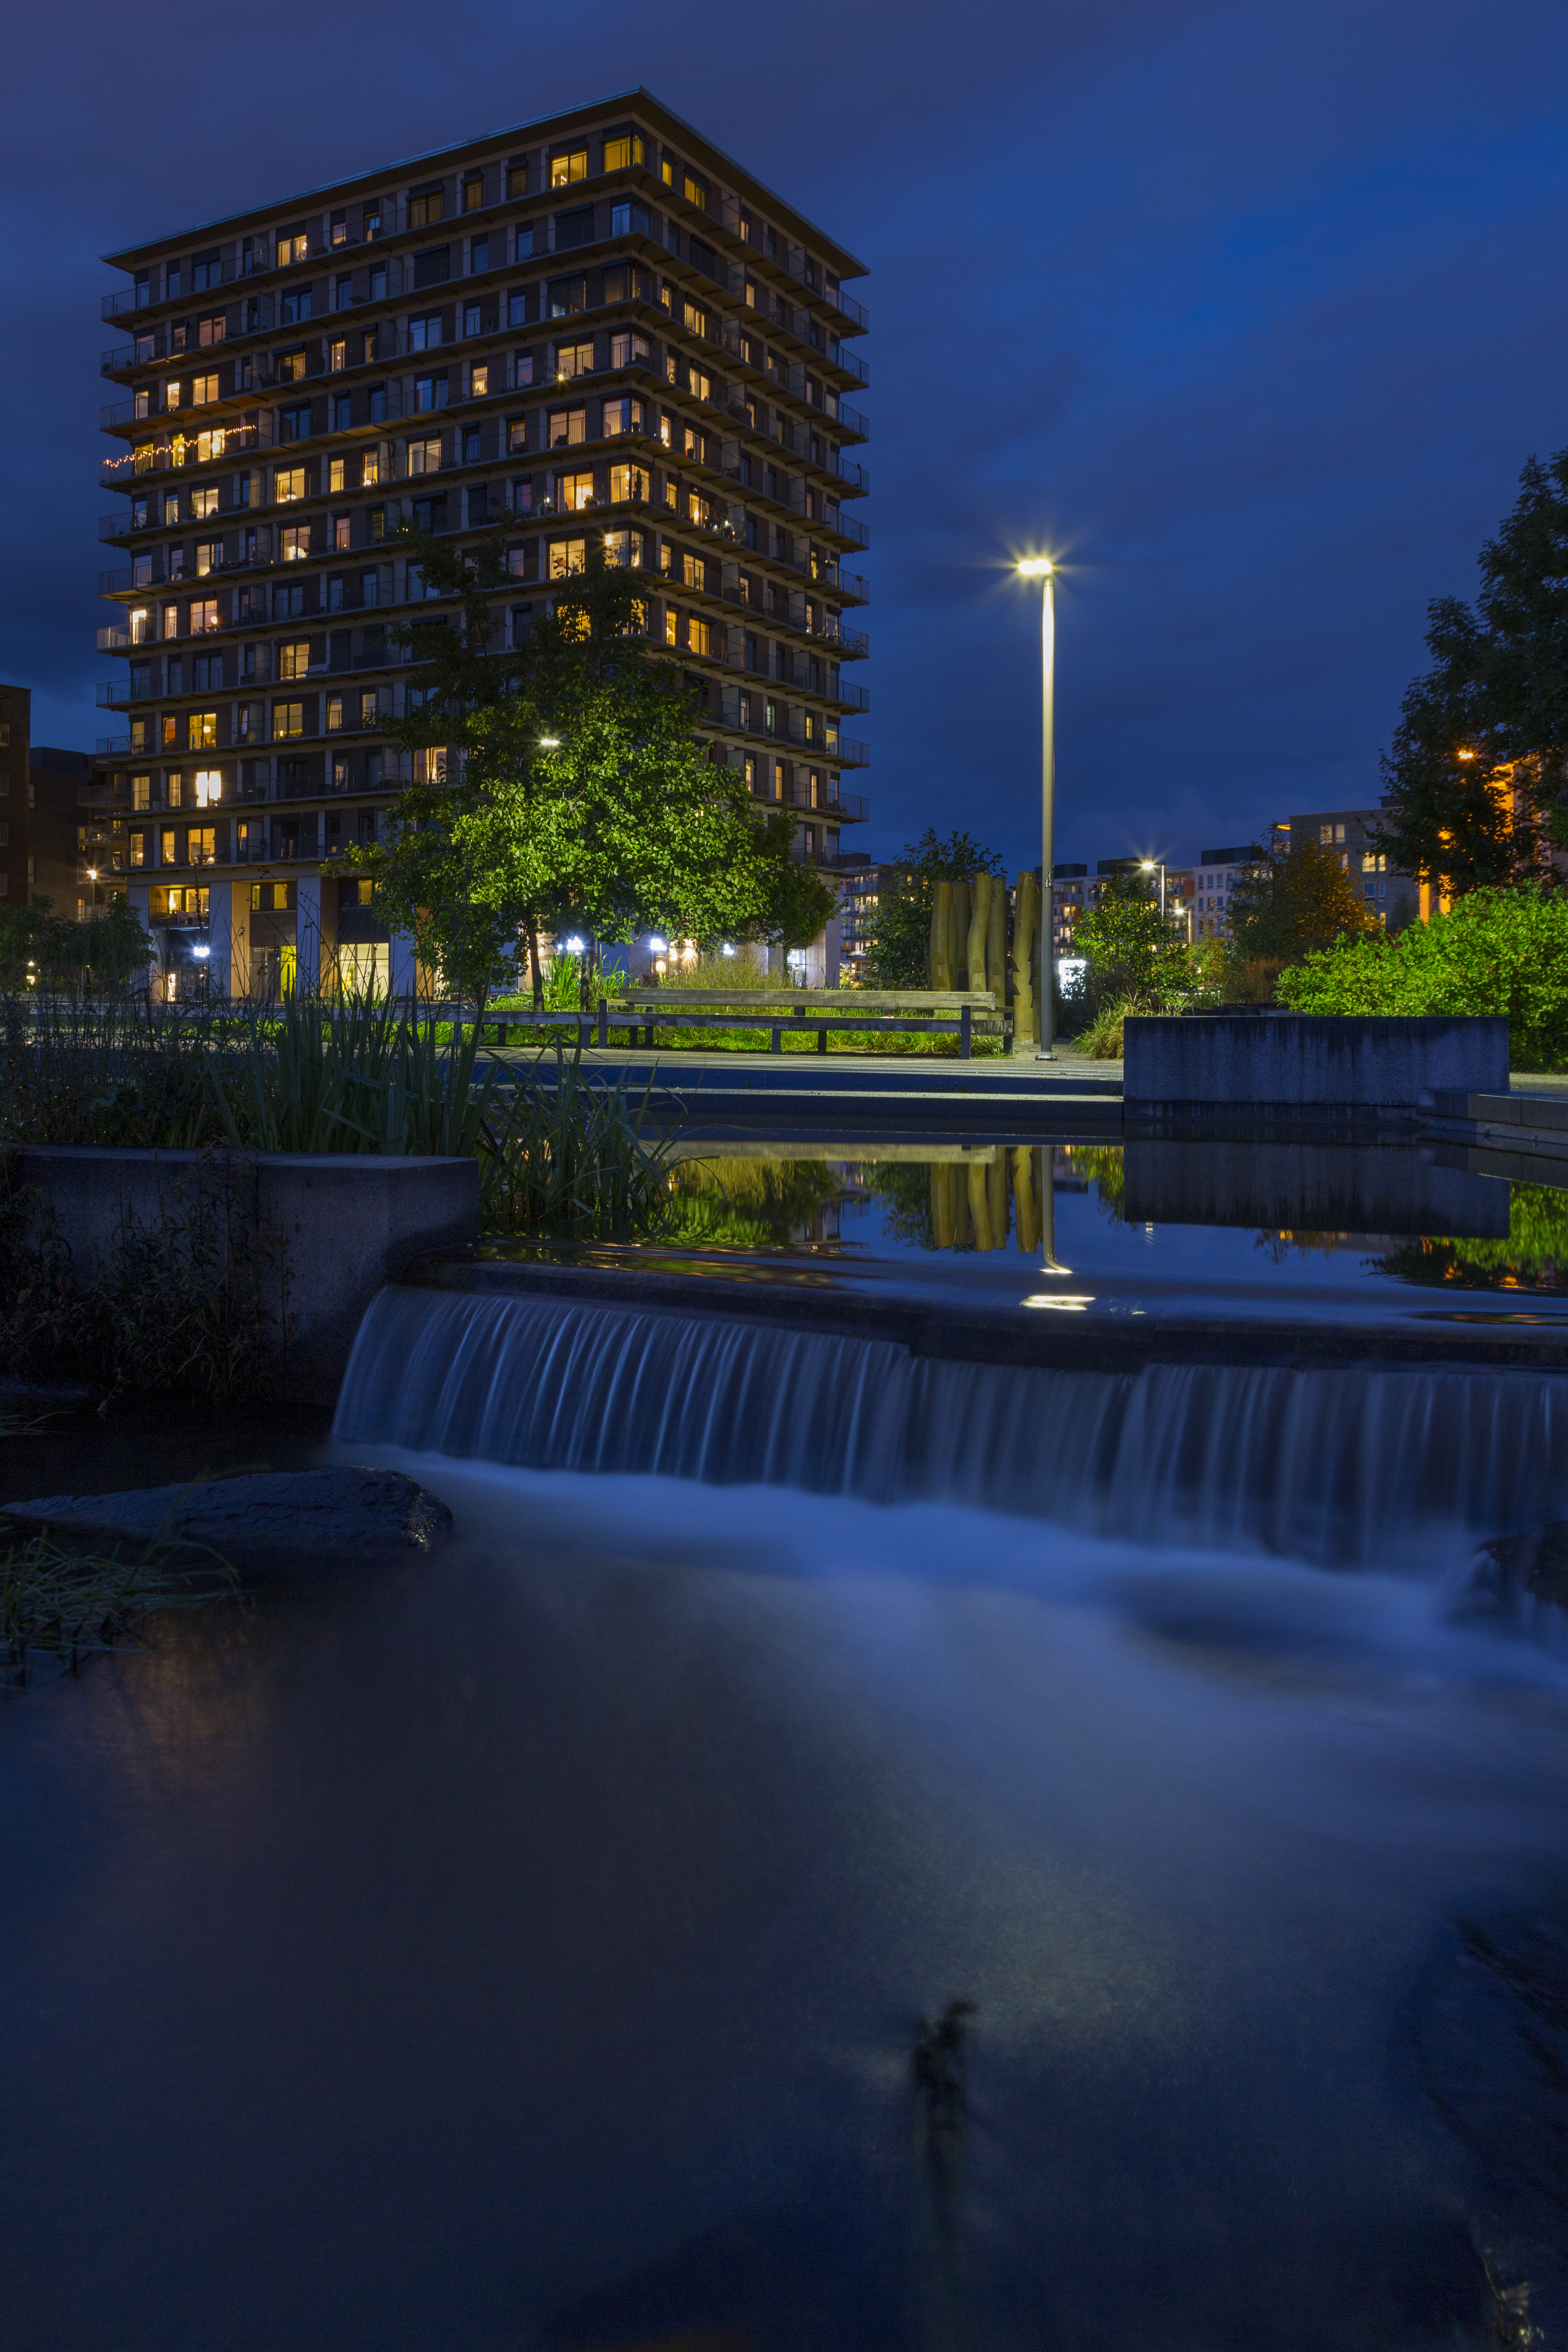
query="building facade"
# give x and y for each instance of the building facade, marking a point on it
(1393, 898)
(591, 325)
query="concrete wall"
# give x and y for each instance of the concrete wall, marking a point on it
(351, 1222)
(1177, 1064)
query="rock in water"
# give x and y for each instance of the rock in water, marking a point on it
(352, 1513)
(1528, 1567)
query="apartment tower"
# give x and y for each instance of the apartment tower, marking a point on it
(593, 326)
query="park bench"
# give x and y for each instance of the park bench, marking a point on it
(960, 1012)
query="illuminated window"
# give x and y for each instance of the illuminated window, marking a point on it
(209, 558)
(288, 482)
(213, 329)
(621, 154)
(204, 502)
(288, 718)
(292, 249)
(694, 321)
(367, 707)
(171, 730)
(341, 526)
(337, 357)
(334, 713)
(566, 556)
(572, 360)
(171, 395)
(696, 507)
(204, 390)
(628, 349)
(337, 473)
(624, 547)
(700, 387)
(209, 787)
(207, 446)
(294, 541)
(141, 792)
(694, 191)
(201, 844)
(574, 492)
(473, 196)
(478, 382)
(370, 469)
(168, 852)
(430, 764)
(626, 482)
(291, 367)
(749, 770)
(671, 626)
(698, 636)
(425, 210)
(567, 426)
(204, 615)
(425, 456)
(138, 849)
(201, 730)
(564, 169)
(696, 571)
(294, 657)
(622, 417)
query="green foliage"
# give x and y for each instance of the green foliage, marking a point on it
(1498, 690)
(1101, 1040)
(40, 949)
(898, 954)
(1137, 959)
(1500, 951)
(350, 1074)
(570, 1160)
(1285, 908)
(573, 792)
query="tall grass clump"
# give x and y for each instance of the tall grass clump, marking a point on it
(69, 1606)
(571, 1159)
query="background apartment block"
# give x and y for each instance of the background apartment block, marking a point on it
(592, 324)
(1392, 897)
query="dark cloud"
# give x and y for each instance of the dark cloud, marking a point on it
(1252, 310)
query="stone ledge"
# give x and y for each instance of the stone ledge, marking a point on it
(352, 1513)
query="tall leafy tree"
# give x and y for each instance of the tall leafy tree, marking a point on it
(561, 784)
(1477, 770)
(898, 956)
(1135, 955)
(1283, 907)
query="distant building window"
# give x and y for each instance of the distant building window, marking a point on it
(564, 169)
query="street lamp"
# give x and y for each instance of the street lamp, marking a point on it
(1041, 568)
(1147, 866)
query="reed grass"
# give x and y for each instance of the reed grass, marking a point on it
(71, 1605)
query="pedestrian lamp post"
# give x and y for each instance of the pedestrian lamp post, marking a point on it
(1041, 568)
(1149, 864)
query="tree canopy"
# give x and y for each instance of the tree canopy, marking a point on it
(1284, 906)
(1477, 770)
(111, 948)
(1135, 955)
(560, 785)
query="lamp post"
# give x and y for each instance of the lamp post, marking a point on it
(1041, 568)
(1147, 866)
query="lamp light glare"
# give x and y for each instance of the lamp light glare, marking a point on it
(658, 946)
(575, 946)
(550, 742)
(1035, 567)
(201, 953)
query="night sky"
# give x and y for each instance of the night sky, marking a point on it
(1252, 313)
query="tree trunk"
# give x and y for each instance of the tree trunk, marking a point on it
(941, 931)
(958, 935)
(1025, 925)
(997, 942)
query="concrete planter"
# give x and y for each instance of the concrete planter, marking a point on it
(349, 1222)
(1303, 1068)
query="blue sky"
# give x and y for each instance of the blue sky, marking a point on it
(1252, 313)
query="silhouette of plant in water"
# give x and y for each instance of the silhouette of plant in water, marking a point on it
(940, 2106)
(72, 1605)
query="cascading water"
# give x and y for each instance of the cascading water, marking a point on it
(1337, 1465)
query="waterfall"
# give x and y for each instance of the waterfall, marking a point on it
(1338, 1465)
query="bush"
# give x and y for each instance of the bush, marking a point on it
(1500, 951)
(1101, 1040)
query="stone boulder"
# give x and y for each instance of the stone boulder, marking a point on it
(1529, 1566)
(352, 1513)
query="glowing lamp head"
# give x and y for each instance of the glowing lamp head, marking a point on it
(201, 953)
(1035, 567)
(1147, 863)
(575, 946)
(550, 742)
(658, 946)
(1464, 755)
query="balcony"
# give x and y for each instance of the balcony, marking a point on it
(220, 444)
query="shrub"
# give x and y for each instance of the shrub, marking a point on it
(1500, 951)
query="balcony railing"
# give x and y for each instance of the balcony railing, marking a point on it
(210, 445)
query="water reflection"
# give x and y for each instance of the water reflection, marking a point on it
(1389, 1213)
